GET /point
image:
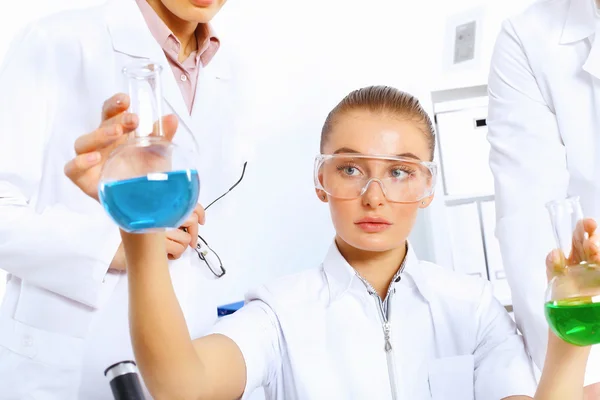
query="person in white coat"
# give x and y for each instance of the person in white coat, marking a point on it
(544, 131)
(372, 322)
(64, 316)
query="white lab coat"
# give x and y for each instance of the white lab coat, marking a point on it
(320, 334)
(544, 130)
(63, 319)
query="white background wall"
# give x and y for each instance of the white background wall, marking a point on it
(297, 66)
(298, 61)
(320, 52)
(491, 13)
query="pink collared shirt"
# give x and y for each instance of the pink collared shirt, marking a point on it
(186, 72)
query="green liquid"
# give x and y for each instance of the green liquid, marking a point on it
(576, 321)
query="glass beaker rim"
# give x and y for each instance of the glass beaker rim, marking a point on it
(142, 69)
(148, 140)
(569, 200)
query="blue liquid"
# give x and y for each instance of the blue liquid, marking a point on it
(153, 202)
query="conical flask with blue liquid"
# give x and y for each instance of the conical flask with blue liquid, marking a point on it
(573, 295)
(148, 184)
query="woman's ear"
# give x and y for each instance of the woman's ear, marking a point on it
(426, 202)
(322, 195)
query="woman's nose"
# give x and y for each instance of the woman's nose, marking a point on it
(373, 193)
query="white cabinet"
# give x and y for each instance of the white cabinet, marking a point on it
(464, 152)
(492, 250)
(464, 224)
(466, 241)
(474, 247)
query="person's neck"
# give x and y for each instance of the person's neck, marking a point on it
(184, 31)
(378, 268)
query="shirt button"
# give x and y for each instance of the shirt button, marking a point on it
(183, 78)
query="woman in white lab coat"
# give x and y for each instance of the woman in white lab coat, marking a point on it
(63, 319)
(544, 125)
(372, 322)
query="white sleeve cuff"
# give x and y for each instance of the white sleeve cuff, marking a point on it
(255, 330)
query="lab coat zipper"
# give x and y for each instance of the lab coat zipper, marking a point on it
(387, 336)
(387, 328)
(384, 315)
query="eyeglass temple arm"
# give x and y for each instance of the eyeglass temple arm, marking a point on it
(230, 189)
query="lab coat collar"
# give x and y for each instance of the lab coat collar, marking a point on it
(129, 32)
(339, 273)
(581, 21)
(416, 273)
(131, 36)
(341, 276)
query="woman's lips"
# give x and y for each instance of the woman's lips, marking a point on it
(373, 224)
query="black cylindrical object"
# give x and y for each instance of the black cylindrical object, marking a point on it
(124, 381)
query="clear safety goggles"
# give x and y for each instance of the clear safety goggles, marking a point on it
(348, 176)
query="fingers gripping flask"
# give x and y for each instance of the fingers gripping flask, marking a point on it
(148, 184)
(573, 296)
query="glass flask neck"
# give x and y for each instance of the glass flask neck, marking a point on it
(564, 216)
(145, 93)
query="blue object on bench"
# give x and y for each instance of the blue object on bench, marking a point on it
(229, 308)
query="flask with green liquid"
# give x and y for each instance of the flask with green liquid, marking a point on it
(573, 295)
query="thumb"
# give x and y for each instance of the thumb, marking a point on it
(77, 168)
(589, 225)
(199, 210)
(591, 247)
(555, 263)
(169, 126)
